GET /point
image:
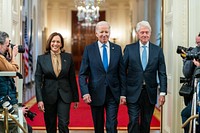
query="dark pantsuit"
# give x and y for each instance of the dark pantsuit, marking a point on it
(51, 111)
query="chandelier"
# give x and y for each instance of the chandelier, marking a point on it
(88, 10)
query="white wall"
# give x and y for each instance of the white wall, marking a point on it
(194, 21)
(117, 14)
(10, 21)
(175, 33)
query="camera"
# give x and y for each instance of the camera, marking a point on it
(180, 49)
(183, 51)
(185, 80)
(187, 54)
(193, 55)
(4, 101)
(21, 49)
(30, 115)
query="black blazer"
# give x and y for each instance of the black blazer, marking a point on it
(93, 78)
(136, 75)
(48, 85)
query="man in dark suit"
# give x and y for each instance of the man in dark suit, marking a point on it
(143, 61)
(102, 79)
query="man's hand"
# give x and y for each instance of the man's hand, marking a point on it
(75, 105)
(196, 62)
(15, 51)
(41, 106)
(122, 100)
(87, 98)
(161, 100)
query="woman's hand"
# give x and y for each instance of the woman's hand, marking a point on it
(75, 105)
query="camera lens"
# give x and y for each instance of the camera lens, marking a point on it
(21, 49)
(7, 105)
(180, 48)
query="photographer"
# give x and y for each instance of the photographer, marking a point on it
(8, 94)
(188, 71)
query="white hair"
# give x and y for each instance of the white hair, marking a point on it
(143, 24)
(102, 23)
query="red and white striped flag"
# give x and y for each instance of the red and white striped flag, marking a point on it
(27, 68)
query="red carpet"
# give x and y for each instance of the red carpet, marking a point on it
(81, 118)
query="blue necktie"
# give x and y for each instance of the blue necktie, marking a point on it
(144, 57)
(105, 58)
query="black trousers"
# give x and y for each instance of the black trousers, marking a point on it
(140, 114)
(61, 110)
(111, 107)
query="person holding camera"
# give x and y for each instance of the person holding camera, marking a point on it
(30, 115)
(189, 66)
(8, 94)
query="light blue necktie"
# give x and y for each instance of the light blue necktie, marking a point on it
(144, 57)
(105, 58)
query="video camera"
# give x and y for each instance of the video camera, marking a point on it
(187, 53)
(185, 80)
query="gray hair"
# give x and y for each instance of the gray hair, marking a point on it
(143, 24)
(102, 23)
(3, 36)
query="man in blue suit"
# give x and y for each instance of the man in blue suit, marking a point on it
(102, 79)
(143, 61)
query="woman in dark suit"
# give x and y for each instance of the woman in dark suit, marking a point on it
(56, 86)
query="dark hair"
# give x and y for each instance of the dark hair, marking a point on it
(199, 34)
(3, 36)
(48, 48)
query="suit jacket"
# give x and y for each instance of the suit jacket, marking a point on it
(48, 85)
(135, 74)
(93, 78)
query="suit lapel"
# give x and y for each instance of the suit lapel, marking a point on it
(49, 64)
(150, 54)
(137, 54)
(64, 63)
(112, 54)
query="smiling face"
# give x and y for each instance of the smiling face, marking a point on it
(56, 44)
(103, 32)
(144, 35)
